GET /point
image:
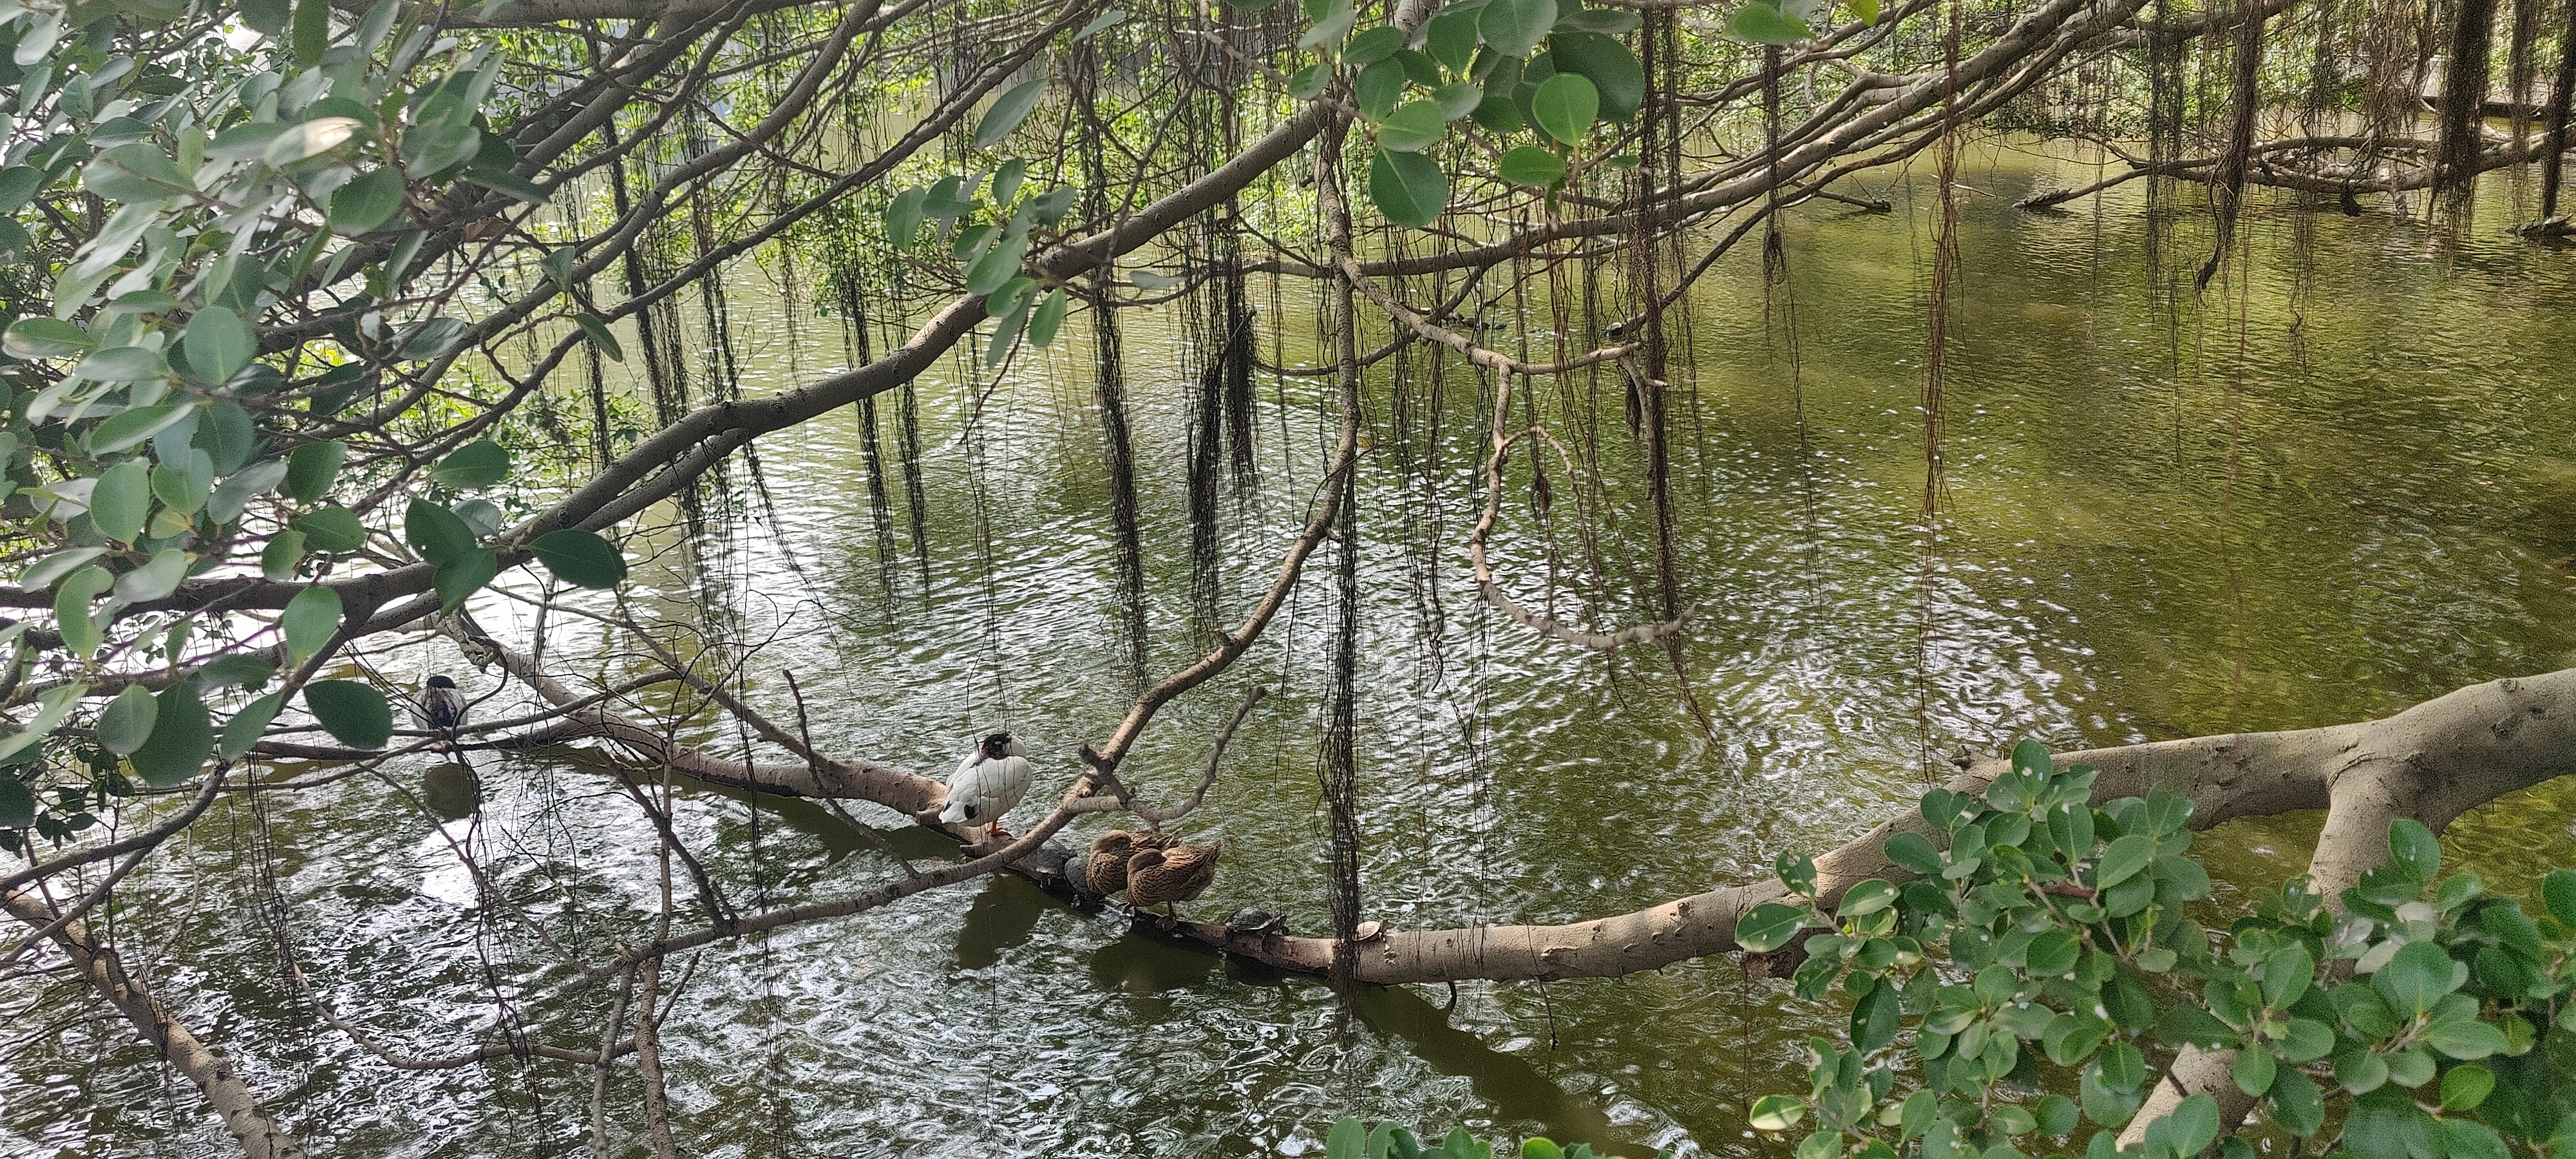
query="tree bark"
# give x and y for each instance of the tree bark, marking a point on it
(2431, 762)
(243, 1116)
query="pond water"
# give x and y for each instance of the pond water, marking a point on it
(2342, 483)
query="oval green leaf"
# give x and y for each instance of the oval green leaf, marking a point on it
(1565, 107)
(1415, 127)
(310, 619)
(126, 722)
(181, 734)
(1408, 188)
(1514, 27)
(474, 466)
(354, 713)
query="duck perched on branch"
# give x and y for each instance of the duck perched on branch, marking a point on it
(1169, 876)
(990, 780)
(1104, 870)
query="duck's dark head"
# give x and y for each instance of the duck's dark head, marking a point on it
(441, 682)
(997, 746)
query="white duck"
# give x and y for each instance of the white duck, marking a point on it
(987, 783)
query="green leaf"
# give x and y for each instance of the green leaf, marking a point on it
(17, 805)
(1865, 11)
(1373, 45)
(18, 186)
(2413, 849)
(2296, 1103)
(132, 427)
(1769, 927)
(1911, 851)
(2287, 973)
(45, 571)
(2121, 1066)
(508, 184)
(81, 634)
(367, 201)
(267, 17)
(1539, 168)
(1378, 88)
(181, 734)
(1007, 112)
(1450, 38)
(1602, 21)
(436, 532)
(600, 336)
(2361, 1073)
(57, 703)
(332, 529)
(2464, 1038)
(2466, 1087)
(153, 580)
(2052, 954)
(2557, 891)
(278, 560)
(310, 619)
(1776, 1113)
(1099, 24)
(120, 499)
(2122, 860)
(1865, 899)
(1762, 22)
(311, 469)
(42, 337)
(218, 344)
(1458, 100)
(1309, 82)
(464, 575)
(1417, 126)
(311, 31)
(1048, 318)
(122, 364)
(903, 219)
(354, 713)
(2253, 1071)
(1607, 63)
(580, 557)
(2306, 1040)
(298, 143)
(998, 265)
(1514, 27)
(126, 722)
(2055, 1115)
(133, 173)
(1499, 115)
(1346, 1140)
(2416, 978)
(1408, 187)
(1541, 1147)
(235, 671)
(474, 466)
(1565, 107)
(249, 724)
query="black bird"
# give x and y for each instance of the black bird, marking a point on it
(442, 707)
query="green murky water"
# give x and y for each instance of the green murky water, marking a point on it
(2345, 483)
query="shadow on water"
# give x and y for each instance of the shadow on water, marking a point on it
(1501, 1078)
(1005, 912)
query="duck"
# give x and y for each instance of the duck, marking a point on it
(442, 708)
(1104, 869)
(988, 782)
(1169, 876)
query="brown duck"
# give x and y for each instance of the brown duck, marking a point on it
(1105, 870)
(1167, 876)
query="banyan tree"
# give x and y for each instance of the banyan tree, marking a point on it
(352, 342)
